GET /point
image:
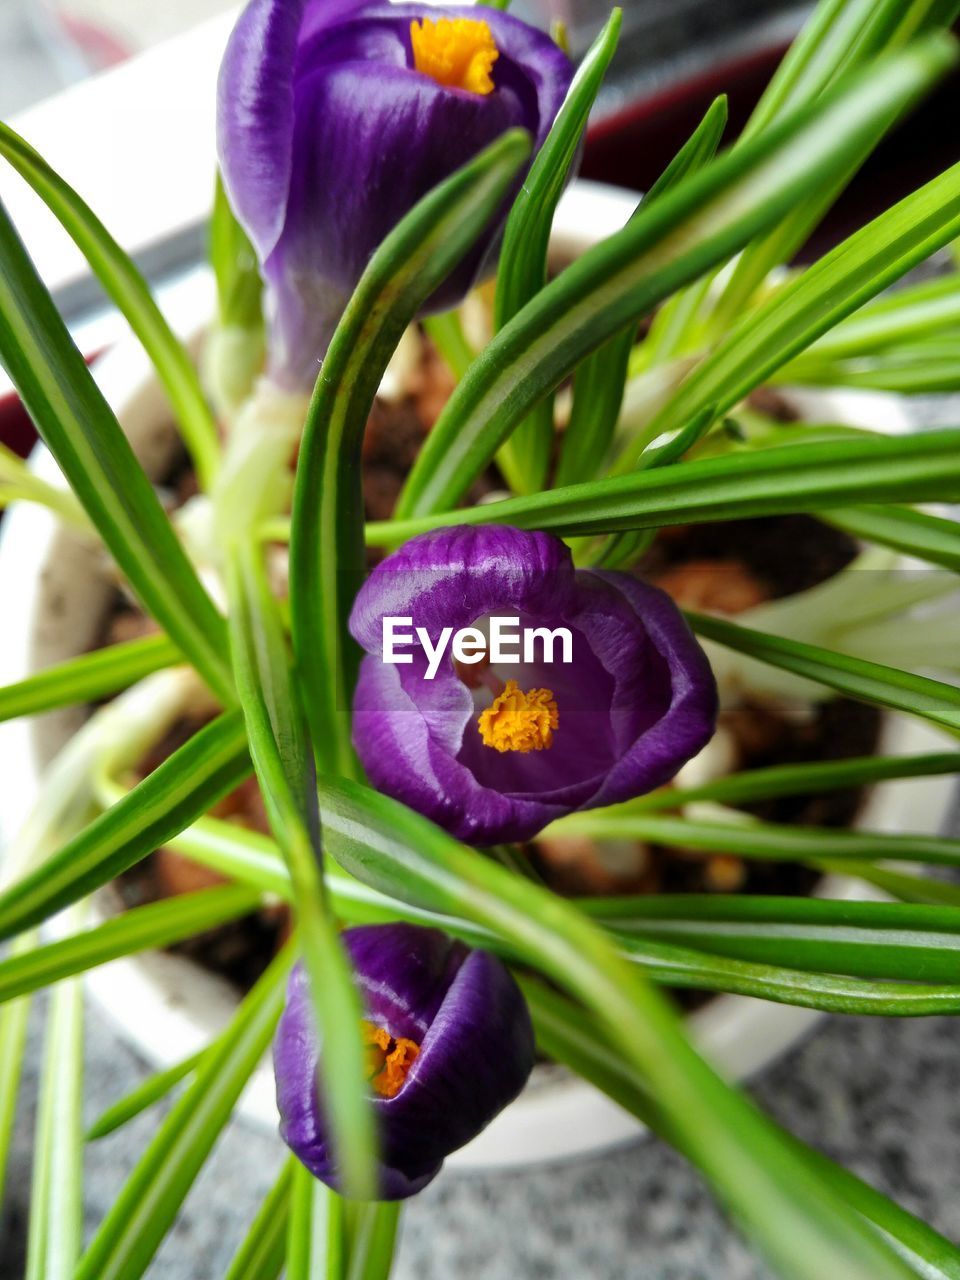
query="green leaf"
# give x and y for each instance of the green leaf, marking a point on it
(917, 943)
(56, 1193)
(880, 30)
(80, 430)
(698, 225)
(263, 1248)
(806, 779)
(749, 838)
(373, 1240)
(915, 533)
(760, 1179)
(569, 1036)
(196, 776)
(235, 267)
(809, 305)
(150, 1199)
(129, 292)
(283, 763)
(788, 478)
(446, 333)
(142, 1097)
(925, 310)
(598, 384)
(159, 924)
(14, 1019)
(317, 1230)
(907, 888)
(326, 537)
(19, 484)
(868, 681)
(674, 965)
(88, 678)
(524, 457)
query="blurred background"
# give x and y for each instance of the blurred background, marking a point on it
(45, 44)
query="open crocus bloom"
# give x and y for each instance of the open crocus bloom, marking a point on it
(450, 1044)
(335, 117)
(493, 752)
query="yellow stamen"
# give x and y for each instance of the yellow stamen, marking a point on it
(457, 53)
(388, 1059)
(520, 721)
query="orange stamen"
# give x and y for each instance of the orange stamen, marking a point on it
(457, 53)
(520, 721)
(388, 1059)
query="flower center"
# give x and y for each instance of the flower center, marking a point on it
(520, 721)
(457, 53)
(388, 1059)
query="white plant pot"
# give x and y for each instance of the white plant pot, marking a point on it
(54, 594)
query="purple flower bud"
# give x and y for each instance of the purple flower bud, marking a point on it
(493, 751)
(335, 118)
(451, 1044)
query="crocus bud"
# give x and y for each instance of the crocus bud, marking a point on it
(449, 1040)
(335, 118)
(494, 750)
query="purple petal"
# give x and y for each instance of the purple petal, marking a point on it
(328, 136)
(476, 1051)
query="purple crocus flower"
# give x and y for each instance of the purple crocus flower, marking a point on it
(451, 1044)
(336, 116)
(493, 752)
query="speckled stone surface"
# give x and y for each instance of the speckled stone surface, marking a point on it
(882, 1096)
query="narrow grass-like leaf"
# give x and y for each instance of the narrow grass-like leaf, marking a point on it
(688, 967)
(234, 263)
(798, 780)
(766, 1186)
(150, 1199)
(790, 478)
(700, 224)
(880, 30)
(326, 537)
(446, 333)
(921, 890)
(569, 1036)
(188, 782)
(88, 678)
(812, 303)
(19, 484)
(142, 1097)
(283, 762)
(749, 838)
(930, 538)
(80, 430)
(917, 943)
(925, 310)
(372, 1241)
(522, 269)
(158, 924)
(14, 1019)
(130, 293)
(263, 1248)
(598, 385)
(56, 1193)
(868, 681)
(318, 1233)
